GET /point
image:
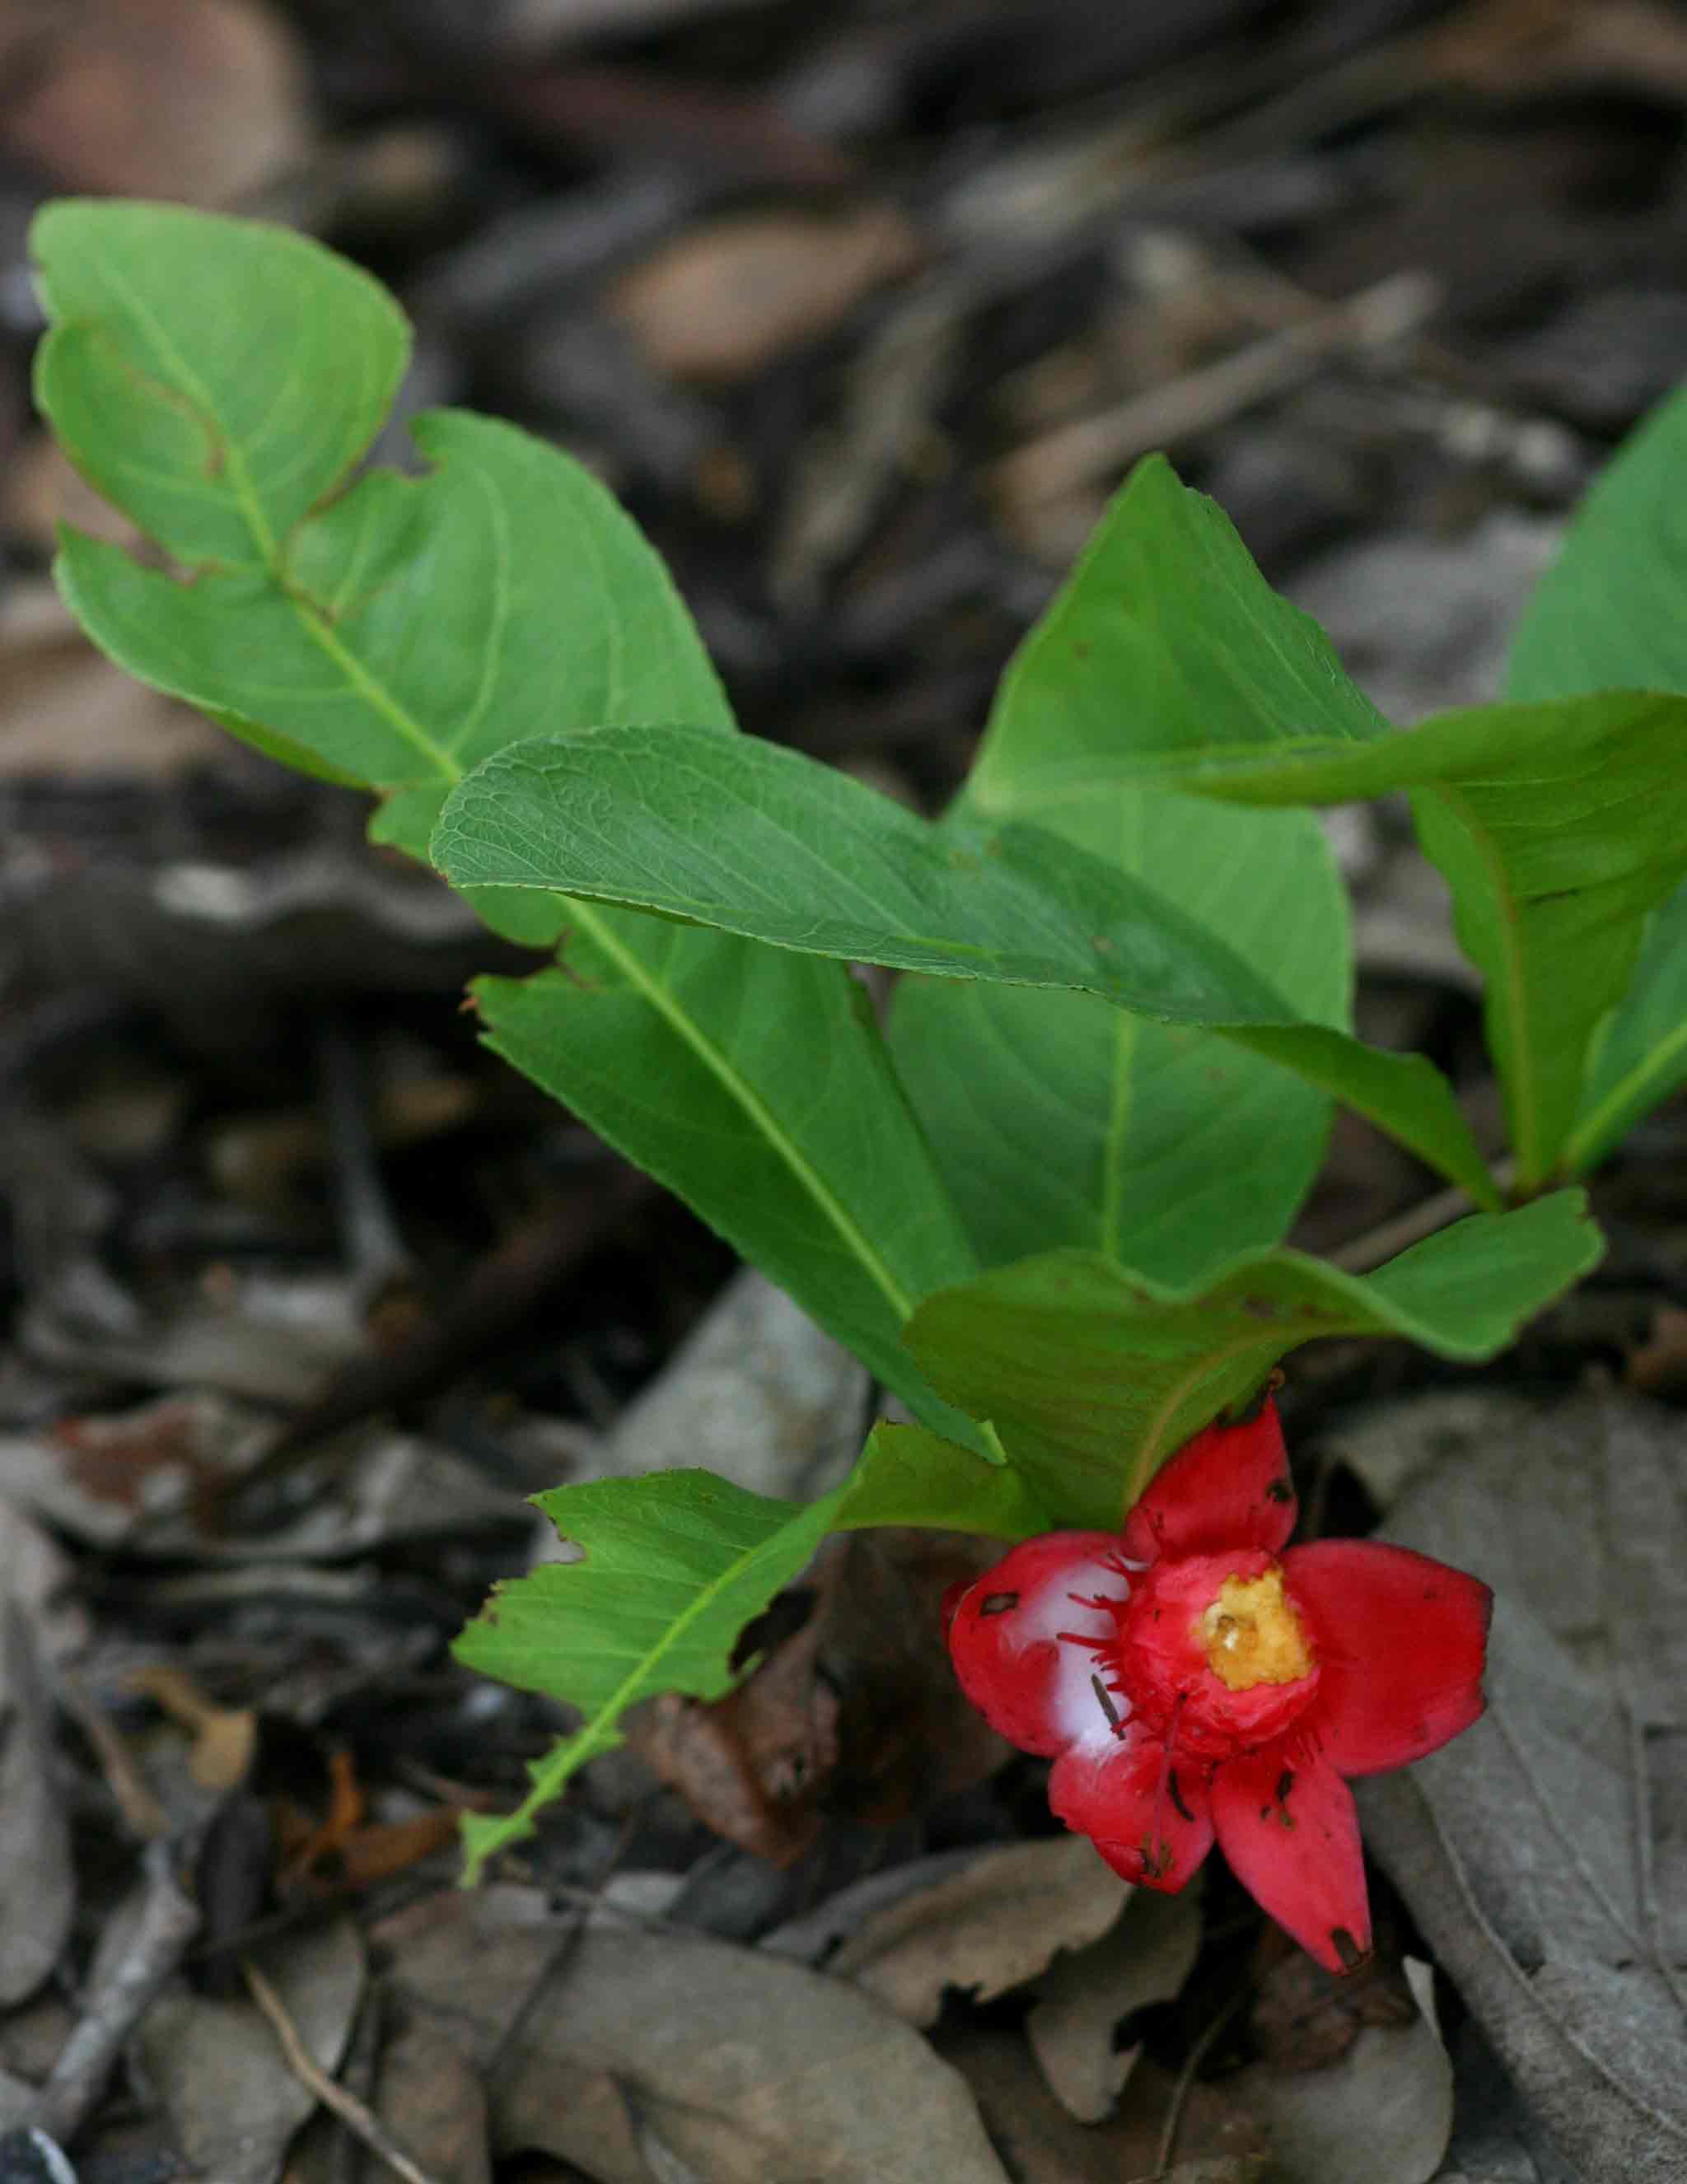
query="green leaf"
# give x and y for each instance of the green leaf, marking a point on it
(1093, 1375)
(758, 840)
(1054, 1118)
(1167, 620)
(219, 379)
(416, 626)
(214, 380)
(673, 1566)
(1559, 828)
(1606, 615)
(680, 1047)
(1640, 1057)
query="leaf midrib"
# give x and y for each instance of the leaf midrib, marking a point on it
(549, 1774)
(602, 933)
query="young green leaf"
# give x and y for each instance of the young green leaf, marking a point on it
(1640, 1055)
(1055, 1119)
(214, 380)
(1168, 626)
(1093, 1375)
(680, 1045)
(218, 380)
(743, 835)
(673, 1566)
(1560, 828)
(1606, 615)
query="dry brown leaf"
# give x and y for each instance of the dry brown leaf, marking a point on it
(1658, 1365)
(855, 1709)
(38, 1881)
(989, 1928)
(1383, 2112)
(1512, 49)
(1304, 2018)
(1545, 1852)
(430, 2097)
(225, 1738)
(233, 2103)
(746, 2066)
(202, 101)
(726, 300)
(1042, 2144)
(66, 711)
(1143, 1958)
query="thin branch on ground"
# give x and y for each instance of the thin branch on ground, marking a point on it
(169, 1920)
(1403, 1231)
(351, 2111)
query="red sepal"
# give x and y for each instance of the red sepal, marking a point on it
(1148, 1815)
(1286, 1821)
(1227, 1488)
(1401, 1641)
(1004, 1636)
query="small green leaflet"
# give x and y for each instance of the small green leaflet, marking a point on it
(219, 381)
(1093, 1375)
(732, 832)
(673, 1566)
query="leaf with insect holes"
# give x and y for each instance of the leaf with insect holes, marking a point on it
(219, 381)
(674, 1566)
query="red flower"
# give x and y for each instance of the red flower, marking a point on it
(1190, 1679)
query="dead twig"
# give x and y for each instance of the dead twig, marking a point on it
(1186, 2078)
(144, 1816)
(168, 1922)
(1074, 455)
(351, 2111)
(1405, 1230)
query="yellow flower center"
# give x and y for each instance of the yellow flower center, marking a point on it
(1251, 1634)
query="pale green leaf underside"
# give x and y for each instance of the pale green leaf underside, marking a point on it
(673, 1567)
(742, 835)
(1093, 1375)
(218, 380)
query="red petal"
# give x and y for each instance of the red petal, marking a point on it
(1288, 1827)
(1033, 1684)
(1148, 1814)
(1401, 1641)
(1229, 1487)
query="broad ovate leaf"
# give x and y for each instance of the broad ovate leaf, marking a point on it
(745, 837)
(1093, 1375)
(221, 381)
(1055, 1119)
